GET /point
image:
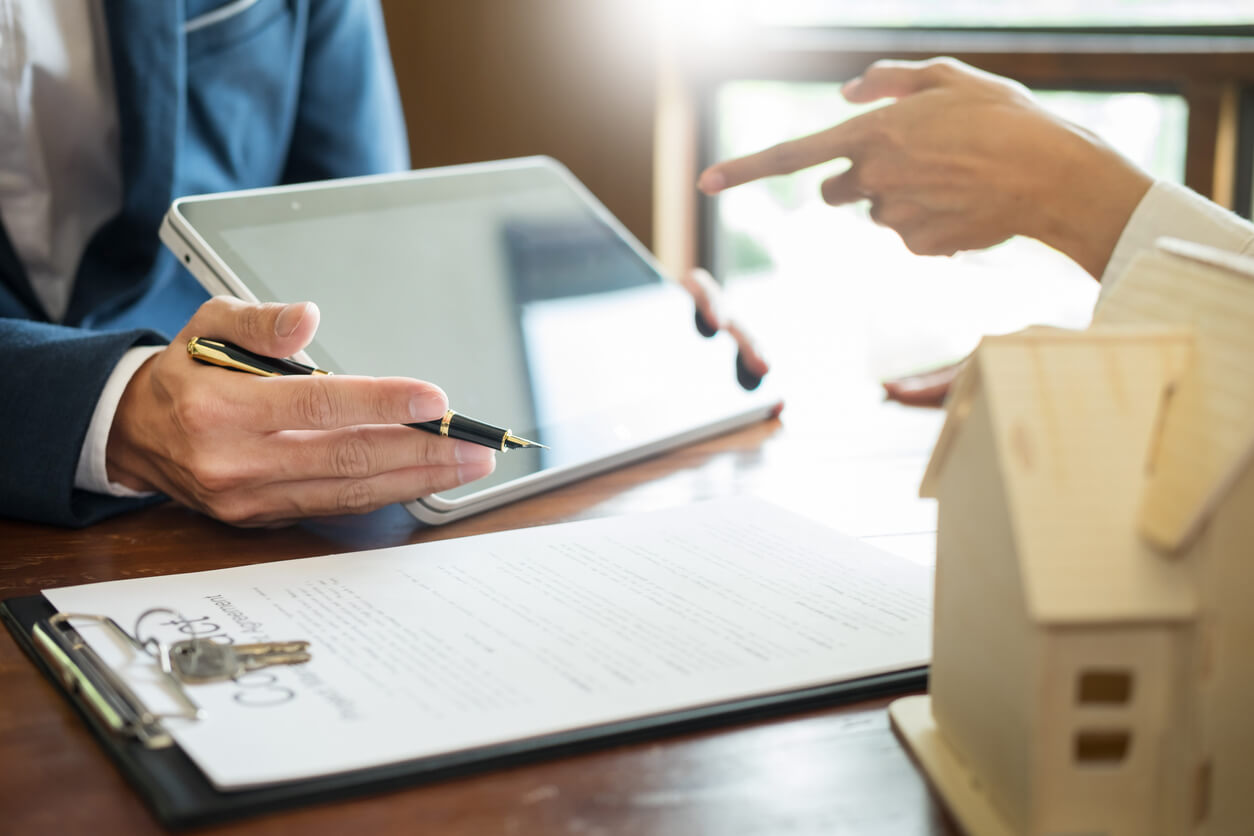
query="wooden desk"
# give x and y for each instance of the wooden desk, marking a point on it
(830, 771)
(839, 454)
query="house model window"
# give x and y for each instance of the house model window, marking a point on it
(1101, 748)
(1104, 687)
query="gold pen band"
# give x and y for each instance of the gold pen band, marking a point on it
(445, 421)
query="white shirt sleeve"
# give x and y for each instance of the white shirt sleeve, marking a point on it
(1174, 211)
(92, 473)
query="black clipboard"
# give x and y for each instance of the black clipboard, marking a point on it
(181, 796)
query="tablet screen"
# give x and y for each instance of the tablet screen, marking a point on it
(505, 284)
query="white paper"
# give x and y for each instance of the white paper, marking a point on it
(444, 646)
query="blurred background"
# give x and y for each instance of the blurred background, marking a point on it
(636, 96)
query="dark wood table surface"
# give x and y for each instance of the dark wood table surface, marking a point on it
(837, 770)
(838, 454)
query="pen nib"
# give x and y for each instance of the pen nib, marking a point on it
(513, 442)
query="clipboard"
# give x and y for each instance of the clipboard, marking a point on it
(180, 795)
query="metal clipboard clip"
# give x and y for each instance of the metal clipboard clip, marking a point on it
(100, 688)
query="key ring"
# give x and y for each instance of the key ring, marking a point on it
(152, 645)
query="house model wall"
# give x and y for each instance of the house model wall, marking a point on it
(1095, 565)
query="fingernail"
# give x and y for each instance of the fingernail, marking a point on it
(476, 470)
(289, 319)
(704, 327)
(747, 378)
(468, 453)
(711, 181)
(428, 406)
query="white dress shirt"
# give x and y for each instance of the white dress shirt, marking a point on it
(60, 170)
(1172, 210)
(60, 174)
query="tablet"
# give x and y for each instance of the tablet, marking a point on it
(507, 284)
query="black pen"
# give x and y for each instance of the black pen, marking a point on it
(452, 425)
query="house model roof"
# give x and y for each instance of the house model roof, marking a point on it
(1073, 415)
(1207, 436)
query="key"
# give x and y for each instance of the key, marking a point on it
(195, 661)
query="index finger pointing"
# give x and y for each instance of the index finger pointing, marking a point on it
(837, 141)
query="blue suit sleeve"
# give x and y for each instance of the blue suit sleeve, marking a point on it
(54, 376)
(349, 120)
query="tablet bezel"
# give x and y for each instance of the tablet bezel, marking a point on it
(196, 254)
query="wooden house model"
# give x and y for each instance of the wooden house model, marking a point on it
(1093, 646)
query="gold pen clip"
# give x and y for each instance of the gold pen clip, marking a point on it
(212, 351)
(233, 357)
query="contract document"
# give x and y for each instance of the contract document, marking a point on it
(448, 646)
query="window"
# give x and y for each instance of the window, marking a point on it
(1180, 101)
(1102, 748)
(992, 13)
(761, 226)
(1104, 687)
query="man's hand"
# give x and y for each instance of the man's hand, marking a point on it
(261, 451)
(929, 388)
(962, 160)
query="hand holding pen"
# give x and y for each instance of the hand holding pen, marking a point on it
(450, 425)
(254, 451)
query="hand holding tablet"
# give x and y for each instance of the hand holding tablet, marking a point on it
(505, 283)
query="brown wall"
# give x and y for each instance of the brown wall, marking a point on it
(574, 79)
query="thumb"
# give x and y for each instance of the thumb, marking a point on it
(842, 188)
(273, 329)
(892, 80)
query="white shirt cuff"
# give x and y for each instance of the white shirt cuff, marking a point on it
(1169, 209)
(92, 473)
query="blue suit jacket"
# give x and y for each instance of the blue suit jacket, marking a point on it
(283, 91)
